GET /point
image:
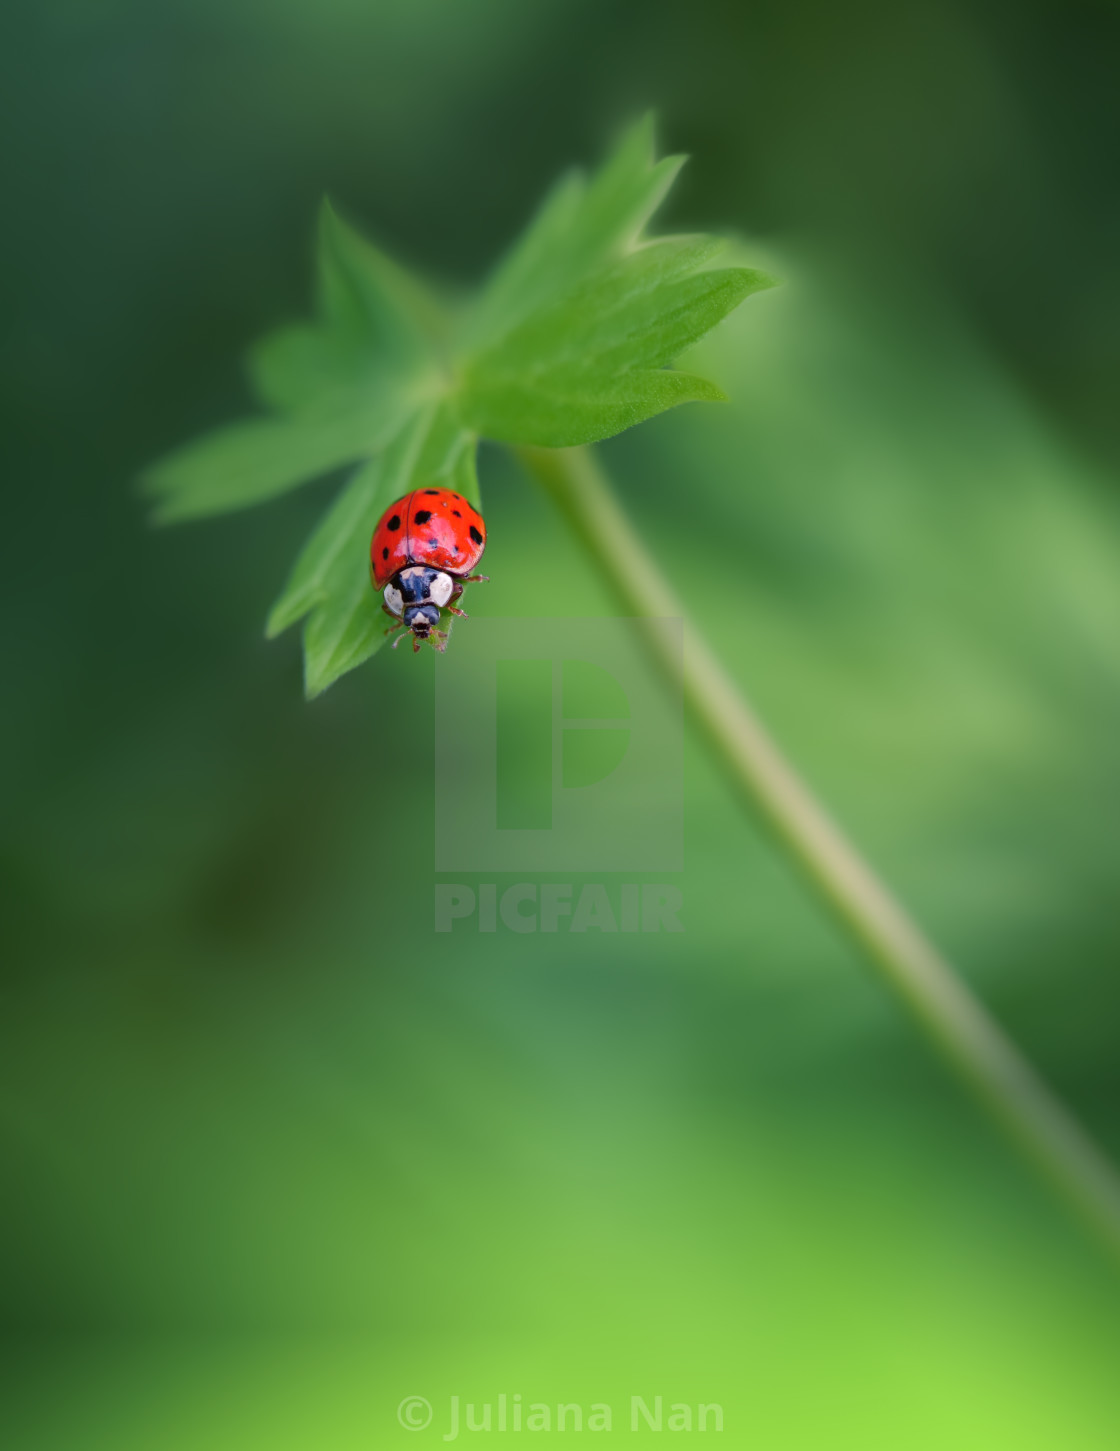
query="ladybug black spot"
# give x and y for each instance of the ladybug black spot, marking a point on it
(421, 516)
(384, 554)
(456, 513)
(475, 535)
(394, 522)
(431, 491)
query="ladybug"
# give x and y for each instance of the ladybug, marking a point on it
(422, 553)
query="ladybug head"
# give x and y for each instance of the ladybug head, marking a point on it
(416, 595)
(421, 619)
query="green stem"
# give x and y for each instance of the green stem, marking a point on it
(959, 1026)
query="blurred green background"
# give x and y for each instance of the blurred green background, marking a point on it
(275, 1156)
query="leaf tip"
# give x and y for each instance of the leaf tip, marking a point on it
(292, 605)
(163, 514)
(314, 684)
(635, 133)
(739, 283)
(765, 281)
(148, 482)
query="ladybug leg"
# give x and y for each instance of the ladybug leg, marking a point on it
(456, 593)
(415, 644)
(393, 629)
(397, 641)
(477, 579)
(439, 638)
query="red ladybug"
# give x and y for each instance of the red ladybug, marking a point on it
(422, 553)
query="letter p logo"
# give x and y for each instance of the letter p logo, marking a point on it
(556, 750)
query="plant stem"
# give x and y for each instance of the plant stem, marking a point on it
(960, 1027)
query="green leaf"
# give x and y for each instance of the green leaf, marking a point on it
(331, 577)
(376, 325)
(358, 283)
(569, 343)
(580, 229)
(248, 463)
(588, 366)
(340, 532)
(574, 412)
(296, 366)
(346, 383)
(343, 633)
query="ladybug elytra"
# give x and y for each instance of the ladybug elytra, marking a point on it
(422, 553)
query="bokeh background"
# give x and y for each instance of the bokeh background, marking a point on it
(275, 1156)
